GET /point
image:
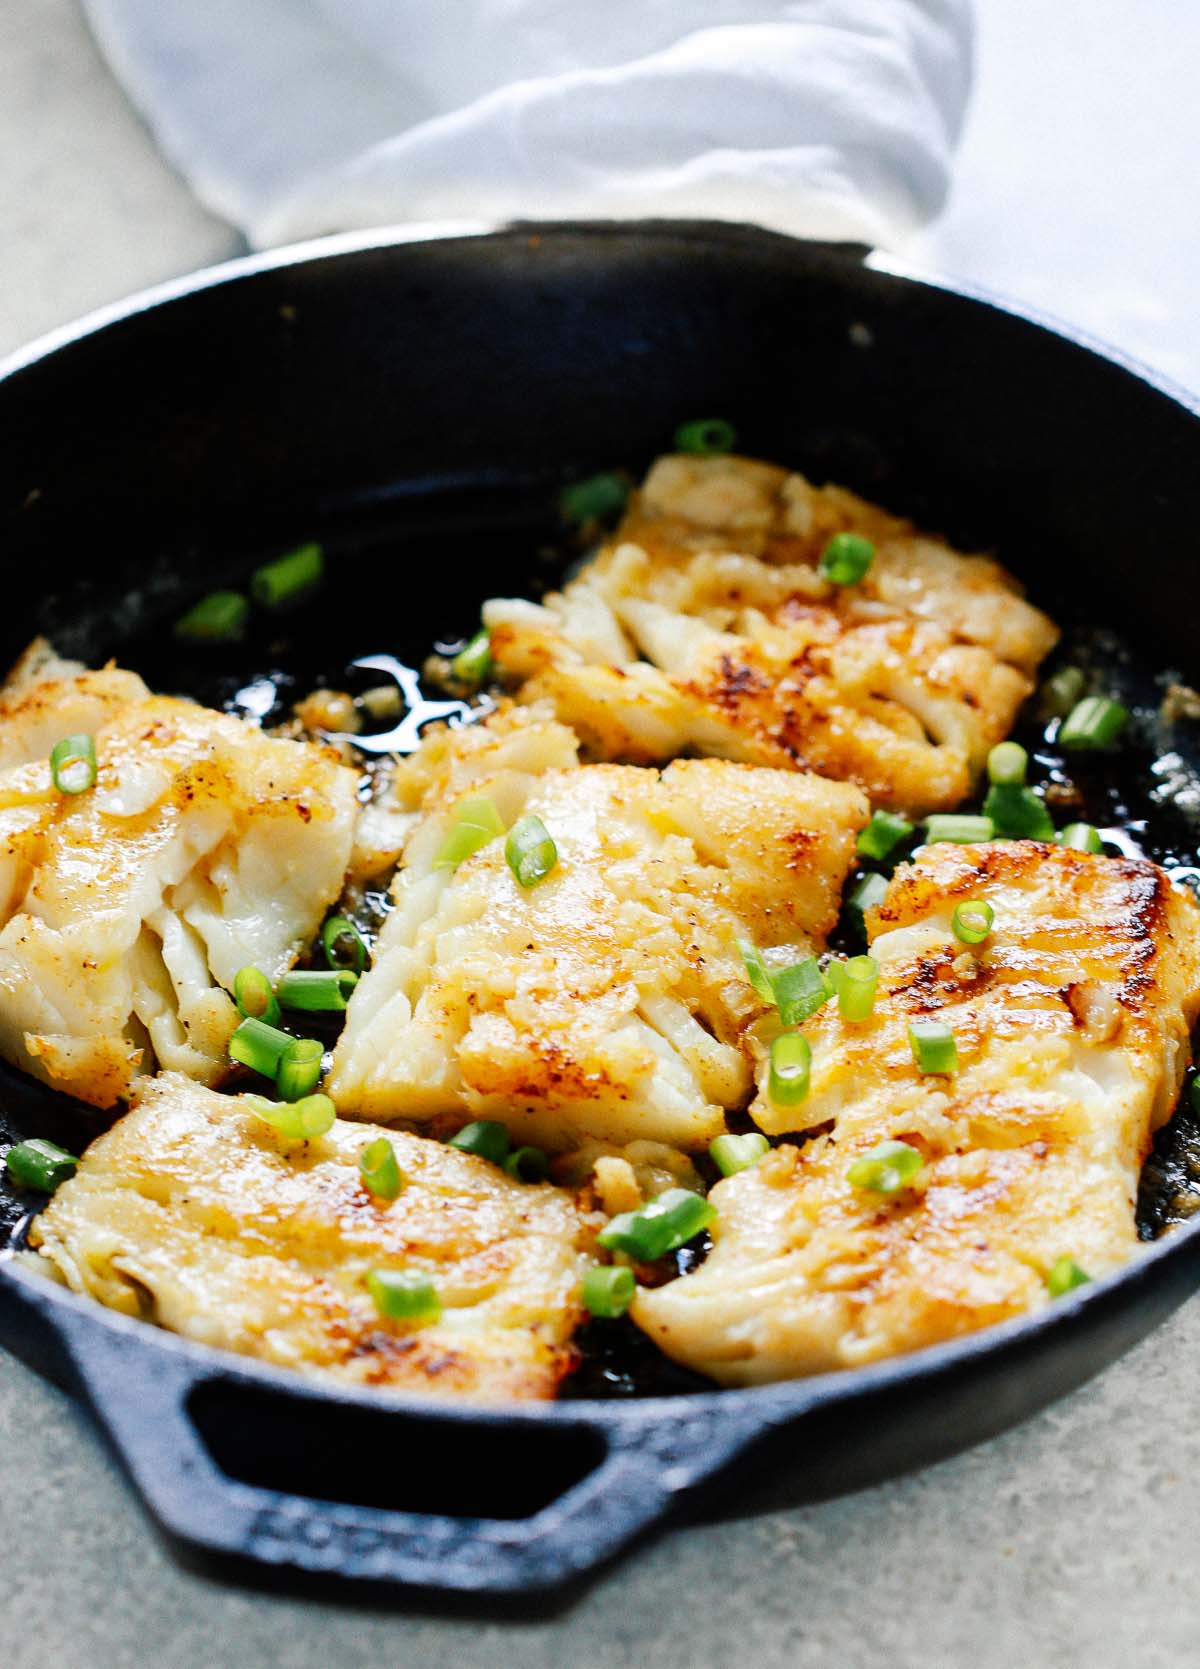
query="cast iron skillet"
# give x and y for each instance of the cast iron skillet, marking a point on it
(414, 404)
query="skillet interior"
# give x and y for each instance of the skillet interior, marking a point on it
(416, 406)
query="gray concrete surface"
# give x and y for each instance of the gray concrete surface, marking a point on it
(1072, 1541)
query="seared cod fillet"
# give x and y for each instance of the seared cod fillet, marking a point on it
(705, 626)
(609, 1001)
(1071, 1023)
(192, 1213)
(127, 910)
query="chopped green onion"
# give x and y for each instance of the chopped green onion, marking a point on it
(756, 970)
(608, 1291)
(478, 824)
(885, 1169)
(933, 1046)
(1063, 690)
(708, 437)
(404, 1295)
(527, 1164)
(960, 828)
(73, 764)
(288, 579)
(731, 1154)
(1007, 762)
(883, 834)
(473, 663)
(1094, 722)
(600, 498)
(295, 1121)
(800, 991)
(855, 982)
(39, 1164)
(1063, 1275)
(530, 851)
(658, 1228)
(1194, 1092)
(972, 921)
(259, 1045)
(254, 996)
(485, 1138)
(379, 1170)
(868, 895)
(218, 618)
(1081, 837)
(791, 1064)
(1018, 813)
(317, 990)
(846, 559)
(343, 944)
(299, 1069)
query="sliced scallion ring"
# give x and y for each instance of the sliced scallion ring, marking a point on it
(731, 1154)
(608, 1290)
(39, 1164)
(404, 1295)
(885, 1169)
(73, 764)
(1094, 722)
(295, 1121)
(259, 1046)
(530, 851)
(972, 921)
(343, 944)
(218, 618)
(959, 827)
(473, 663)
(255, 996)
(663, 1226)
(1007, 762)
(484, 1137)
(289, 579)
(790, 1069)
(933, 1046)
(380, 1170)
(883, 834)
(600, 498)
(477, 824)
(1061, 691)
(846, 559)
(299, 1069)
(855, 982)
(527, 1164)
(1063, 1276)
(800, 991)
(1081, 837)
(1017, 812)
(317, 990)
(756, 970)
(706, 437)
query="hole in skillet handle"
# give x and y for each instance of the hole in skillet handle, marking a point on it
(461, 1500)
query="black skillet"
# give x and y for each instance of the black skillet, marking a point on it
(416, 405)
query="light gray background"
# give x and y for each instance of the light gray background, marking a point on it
(1074, 1540)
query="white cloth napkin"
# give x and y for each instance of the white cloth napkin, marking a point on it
(290, 118)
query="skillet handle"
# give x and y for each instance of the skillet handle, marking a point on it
(646, 1458)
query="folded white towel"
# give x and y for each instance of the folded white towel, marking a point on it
(831, 118)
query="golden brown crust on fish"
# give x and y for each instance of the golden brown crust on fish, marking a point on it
(1071, 1023)
(705, 626)
(126, 910)
(192, 1213)
(608, 1001)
